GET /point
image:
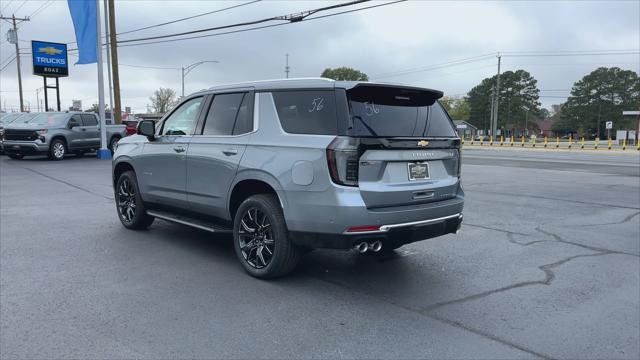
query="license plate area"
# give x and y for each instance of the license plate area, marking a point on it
(418, 171)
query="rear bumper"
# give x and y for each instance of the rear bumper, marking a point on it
(320, 220)
(396, 235)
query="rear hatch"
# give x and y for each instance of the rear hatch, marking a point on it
(407, 149)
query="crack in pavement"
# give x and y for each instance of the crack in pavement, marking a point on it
(489, 336)
(558, 238)
(549, 276)
(559, 199)
(511, 239)
(434, 317)
(627, 219)
(67, 183)
(494, 229)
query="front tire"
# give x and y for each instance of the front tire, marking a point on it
(57, 150)
(261, 239)
(129, 205)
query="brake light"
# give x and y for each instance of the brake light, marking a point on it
(342, 159)
(363, 228)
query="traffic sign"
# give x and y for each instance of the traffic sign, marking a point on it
(609, 125)
(49, 59)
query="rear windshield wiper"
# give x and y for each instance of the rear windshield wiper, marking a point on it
(371, 131)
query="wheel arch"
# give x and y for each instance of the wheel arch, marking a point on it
(119, 169)
(252, 183)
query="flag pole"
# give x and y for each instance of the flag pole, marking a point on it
(104, 152)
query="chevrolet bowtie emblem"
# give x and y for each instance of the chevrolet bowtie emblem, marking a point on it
(50, 50)
(423, 143)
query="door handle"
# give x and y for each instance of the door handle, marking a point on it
(230, 152)
(178, 149)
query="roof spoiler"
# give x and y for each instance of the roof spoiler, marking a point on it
(398, 95)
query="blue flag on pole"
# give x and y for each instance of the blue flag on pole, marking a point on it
(83, 14)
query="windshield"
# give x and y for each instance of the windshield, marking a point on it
(49, 119)
(396, 112)
(9, 118)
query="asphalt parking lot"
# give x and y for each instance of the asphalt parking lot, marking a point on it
(547, 266)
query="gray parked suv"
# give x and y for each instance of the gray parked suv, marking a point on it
(292, 165)
(56, 134)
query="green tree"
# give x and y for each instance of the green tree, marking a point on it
(162, 101)
(598, 97)
(344, 73)
(94, 108)
(519, 104)
(458, 108)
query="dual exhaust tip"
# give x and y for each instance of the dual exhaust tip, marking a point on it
(363, 247)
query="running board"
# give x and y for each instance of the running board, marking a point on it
(184, 220)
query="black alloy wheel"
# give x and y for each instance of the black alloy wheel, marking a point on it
(256, 238)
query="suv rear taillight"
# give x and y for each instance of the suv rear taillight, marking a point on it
(342, 158)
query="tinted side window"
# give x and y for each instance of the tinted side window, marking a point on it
(244, 120)
(222, 114)
(307, 112)
(183, 120)
(89, 120)
(77, 119)
(439, 124)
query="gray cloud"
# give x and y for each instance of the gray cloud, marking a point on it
(376, 41)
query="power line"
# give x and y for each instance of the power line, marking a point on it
(188, 18)
(42, 7)
(437, 66)
(6, 5)
(259, 27)
(149, 67)
(19, 7)
(289, 18)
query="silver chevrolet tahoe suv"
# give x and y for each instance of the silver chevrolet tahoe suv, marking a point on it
(291, 165)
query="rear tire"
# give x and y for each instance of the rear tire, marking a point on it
(15, 156)
(129, 205)
(261, 239)
(57, 150)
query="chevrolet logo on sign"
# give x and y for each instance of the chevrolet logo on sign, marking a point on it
(423, 143)
(50, 50)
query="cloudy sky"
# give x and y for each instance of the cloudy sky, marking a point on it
(382, 42)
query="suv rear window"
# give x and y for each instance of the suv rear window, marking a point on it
(396, 112)
(307, 112)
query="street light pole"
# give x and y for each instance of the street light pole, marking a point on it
(187, 69)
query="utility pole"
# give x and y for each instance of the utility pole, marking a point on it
(38, 97)
(15, 21)
(114, 64)
(106, 33)
(494, 122)
(286, 67)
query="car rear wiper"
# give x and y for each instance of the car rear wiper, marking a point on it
(371, 131)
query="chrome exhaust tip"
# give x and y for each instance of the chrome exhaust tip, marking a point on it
(375, 246)
(362, 247)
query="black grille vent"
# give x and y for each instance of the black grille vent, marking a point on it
(20, 135)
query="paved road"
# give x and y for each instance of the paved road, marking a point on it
(547, 266)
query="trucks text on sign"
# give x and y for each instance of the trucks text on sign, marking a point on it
(49, 59)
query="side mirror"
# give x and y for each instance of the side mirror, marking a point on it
(147, 128)
(73, 123)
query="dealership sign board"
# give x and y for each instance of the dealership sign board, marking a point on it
(49, 59)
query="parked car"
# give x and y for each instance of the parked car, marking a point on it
(11, 118)
(131, 126)
(56, 134)
(291, 165)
